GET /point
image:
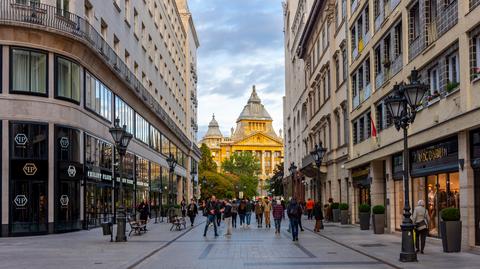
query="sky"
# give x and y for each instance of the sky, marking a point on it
(241, 44)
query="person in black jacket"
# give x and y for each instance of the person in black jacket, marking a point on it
(294, 213)
(318, 215)
(227, 216)
(192, 211)
(210, 211)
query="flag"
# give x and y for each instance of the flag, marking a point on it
(374, 130)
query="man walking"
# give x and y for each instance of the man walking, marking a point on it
(267, 208)
(310, 205)
(248, 212)
(227, 217)
(278, 215)
(294, 213)
(259, 213)
(192, 211)
(211, 212)
(234, 213)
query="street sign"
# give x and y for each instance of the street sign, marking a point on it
(29, 169)
(20, 200)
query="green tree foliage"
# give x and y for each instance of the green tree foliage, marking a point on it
(246, 167)
(206, 162)
(275, 184)
(220, 185)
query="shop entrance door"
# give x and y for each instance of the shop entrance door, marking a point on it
(477, 207)
(68, 206)
(28, 205)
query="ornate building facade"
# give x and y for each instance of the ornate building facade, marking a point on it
(254, 133)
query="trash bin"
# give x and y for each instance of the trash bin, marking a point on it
(107, 228)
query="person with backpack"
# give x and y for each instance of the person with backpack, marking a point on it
(421, 219)
(227, 216)
(192, 211)
(210, 211)
(278, 215)
(248, 212)
(242, 211)
(234, 213)
(294, 213)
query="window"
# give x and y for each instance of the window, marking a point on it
(98, 98)
(63, 7)
(127, 11)
(355, 133)
(434, 80)
(124, 113)
(28, 71)
(475, 57)
(165, 145)
(336, 16)
(67, 80)
(398, 40)
(414, 23)
(155, 139)
(98, 152)
(344, 67)
(379, 115)
(337, 73)
(35, 141)
(135, 23)
(453, 72)
(344, 9)
(141, 129)
(346, 126)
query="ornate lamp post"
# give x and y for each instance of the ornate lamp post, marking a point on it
(172, 163)
(403, 106)
(121, 138)
(318, 153)
(292, 169)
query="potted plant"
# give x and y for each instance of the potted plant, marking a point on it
(336, 212)
(378, 219)
(451, 86)
(451, 229)
(343, 213)
(364, 214)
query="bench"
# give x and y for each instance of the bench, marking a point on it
(177, 223)
(137, 226)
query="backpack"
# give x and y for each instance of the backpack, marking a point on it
(293, 210)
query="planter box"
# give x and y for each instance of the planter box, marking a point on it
(451, 232)
(344, 216)
(336, 215)
(364, 220)
(378, 221)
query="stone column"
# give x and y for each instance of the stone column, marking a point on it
(390, 206)
(272, 163)
(51, 178)
(467, 195)
(377, 192)
(5, 178)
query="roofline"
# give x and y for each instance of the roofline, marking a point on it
(307, 31)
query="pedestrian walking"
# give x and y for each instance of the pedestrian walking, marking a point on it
(318, 215)
(242, 211)
(220, 205)
(192, 211)
(143, 210)
(210, 211)
(309, 206)
(234, 213)
(248, 212)
(259, 213)
(421, 219)
(227, 217)
(294, 213)
(267, 208)
(183, 207)
(278, 215)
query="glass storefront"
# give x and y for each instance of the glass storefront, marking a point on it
(127, 182)
(142, 181)
(28, 178)
(155, 189)
(98, 187)
(475, 156)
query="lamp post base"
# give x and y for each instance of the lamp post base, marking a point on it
(121, 225)
(408, 253)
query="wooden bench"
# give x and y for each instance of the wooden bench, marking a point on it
(177, 223)
(137, 226)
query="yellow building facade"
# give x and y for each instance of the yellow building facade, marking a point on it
(254, 133)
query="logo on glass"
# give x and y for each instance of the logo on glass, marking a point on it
(72, 171)
(64, 142)
(30, 169)
(20, 200)
(64, 200)
(21, 139)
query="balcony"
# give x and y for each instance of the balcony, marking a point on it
(49, 18)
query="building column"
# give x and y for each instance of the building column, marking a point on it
(272, 161)
(467, 195)
(5, 178)
(377, 188)
(390, 206)
(51, 178)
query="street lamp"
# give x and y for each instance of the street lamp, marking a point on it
(292, 169)
(121, 138)
(403, 106)
(172, 162)
(318, 153)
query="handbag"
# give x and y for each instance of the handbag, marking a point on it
(422, 225)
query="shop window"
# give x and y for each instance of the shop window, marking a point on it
(125, 114)
(165, 145)
(67, 77)
(28, 72)
(155, 139)
(98, 152)
(67, 144)
(98, 98)
(141, 129)
(142, 176)
(30, 141)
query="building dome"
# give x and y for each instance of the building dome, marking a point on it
(213, 129)
(254, 110)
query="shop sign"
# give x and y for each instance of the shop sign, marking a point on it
(30, 169)
(20, 200)
(142, 184)
(435, 158)
(64, 200)
(430, 154)
(64, 143)
(98, 176)
(21, 139)
(126, 180)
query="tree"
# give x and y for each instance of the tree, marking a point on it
(275, 183)
(206, 162)
(220, 185)
(247, 167)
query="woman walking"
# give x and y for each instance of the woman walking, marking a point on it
(234, 213)
(192, 211)
(421, 219)
(278, 215)
(248, 212)
(318, 215)
(242, 211)
(259, 213)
